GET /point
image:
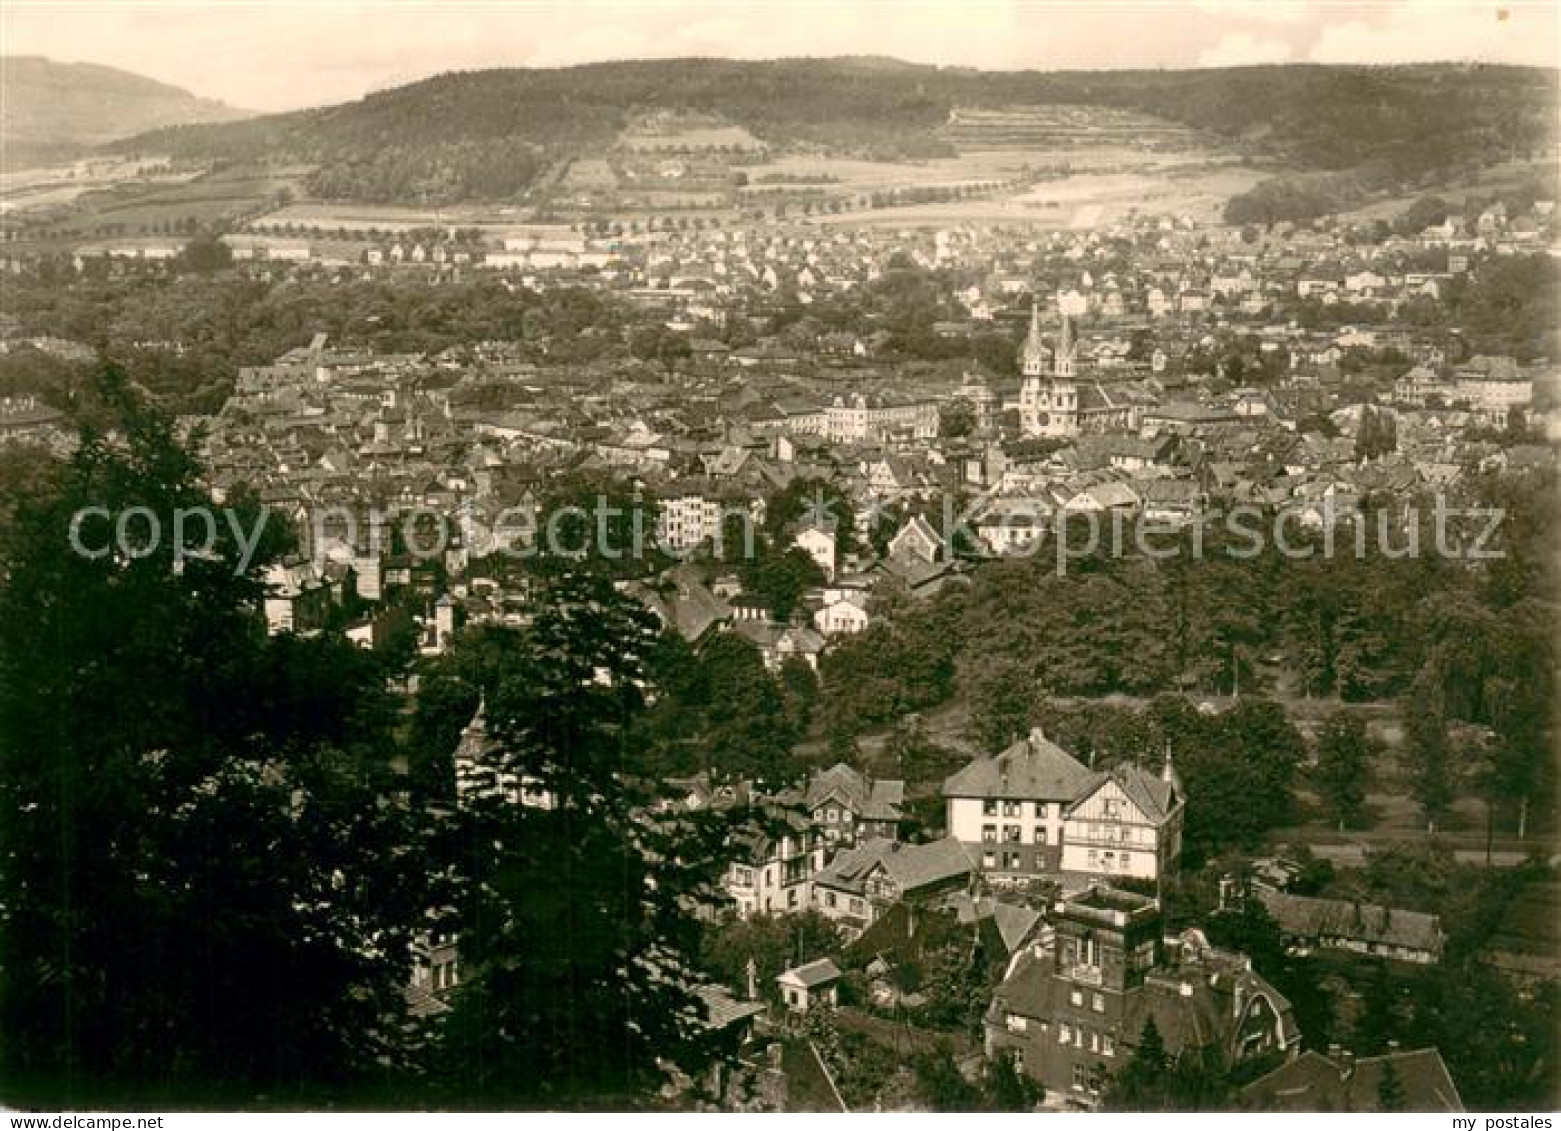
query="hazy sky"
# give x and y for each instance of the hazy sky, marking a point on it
(280, 54)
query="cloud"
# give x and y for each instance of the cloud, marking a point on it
(1238, 49)
(1421, 31)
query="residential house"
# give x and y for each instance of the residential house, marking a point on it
(1009, 808)
(809, 986)
(818, 541)
(773, 871)
(1128, 823)
(1072, 1014)
(1343, 1082)
(848, 806)
(863, 882)
(1309, 923)
(844, 615)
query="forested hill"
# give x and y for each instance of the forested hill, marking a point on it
(1403, 119)
(50, 109)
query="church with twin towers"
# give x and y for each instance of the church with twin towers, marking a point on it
(1053, 401)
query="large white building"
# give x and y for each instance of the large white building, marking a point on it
(858, 418)
(1008, 808)
(1034, 811)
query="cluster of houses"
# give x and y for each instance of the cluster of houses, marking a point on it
(1029, 814)
(1178, 269)
(1156, 387)
(481, 433)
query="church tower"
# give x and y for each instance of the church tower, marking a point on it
(1032, 357)
(1062, 367)
(1063, 394)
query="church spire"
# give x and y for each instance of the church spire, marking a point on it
(1032, 357)
(1064, 363)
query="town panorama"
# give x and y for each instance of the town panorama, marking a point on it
(829, 585)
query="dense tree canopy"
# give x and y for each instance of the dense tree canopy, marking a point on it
(205, 888)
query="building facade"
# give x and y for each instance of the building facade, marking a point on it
(1073, 1014)
(1036, 812)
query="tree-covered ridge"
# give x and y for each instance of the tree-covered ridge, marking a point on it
(1399, 121)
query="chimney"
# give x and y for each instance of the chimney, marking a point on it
(1037, 736)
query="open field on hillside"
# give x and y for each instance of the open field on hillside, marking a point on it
(1084, 199)
(134, 207)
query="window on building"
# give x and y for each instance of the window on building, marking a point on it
(1108, 1046)
(1011, 808)
(1098, 1003)
(1076, 997)
(989, 859)
(856, 906)
(1040, 810)
(791, 898)
(989, 807)
(989, 834)
(1012, 833)
(1040, 835)
(1064, 1034)
(1089, 952)
(1111, 808)
(829, 899)
(1080, 1078)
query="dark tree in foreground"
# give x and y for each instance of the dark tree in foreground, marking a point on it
(577, 913)
(204, 890)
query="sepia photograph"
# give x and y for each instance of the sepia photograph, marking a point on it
(885, 556)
